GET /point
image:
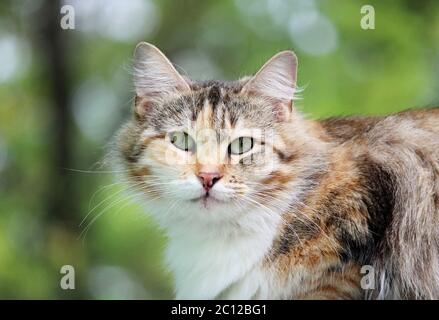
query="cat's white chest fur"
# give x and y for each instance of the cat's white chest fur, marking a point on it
(226, 263)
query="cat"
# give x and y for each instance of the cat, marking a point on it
(259, 202)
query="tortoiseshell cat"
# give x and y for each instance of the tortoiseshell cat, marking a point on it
(260, 203)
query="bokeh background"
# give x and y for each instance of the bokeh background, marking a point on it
(63, 93)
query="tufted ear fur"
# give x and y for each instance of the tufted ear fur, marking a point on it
(154, 76)
(276, 80)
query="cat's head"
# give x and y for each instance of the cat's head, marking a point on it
(214, 150)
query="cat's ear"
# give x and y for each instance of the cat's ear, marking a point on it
(154, 76)
(276, 80)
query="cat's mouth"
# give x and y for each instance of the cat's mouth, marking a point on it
(205, 199)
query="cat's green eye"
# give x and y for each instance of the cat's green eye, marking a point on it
(241, 145)
(182, 141)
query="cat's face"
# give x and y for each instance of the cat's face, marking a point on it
(211, 149)
(205, 152)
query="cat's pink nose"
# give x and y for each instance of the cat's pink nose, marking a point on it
(208, 179)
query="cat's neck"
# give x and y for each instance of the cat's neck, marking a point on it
(206, 261)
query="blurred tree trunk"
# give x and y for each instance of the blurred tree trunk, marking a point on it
(61, 205)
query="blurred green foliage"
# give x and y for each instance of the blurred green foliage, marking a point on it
(343, 68)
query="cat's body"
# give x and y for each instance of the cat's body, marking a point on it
(298, 214)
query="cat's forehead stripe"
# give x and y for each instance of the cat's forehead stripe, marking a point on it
(214, 95)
